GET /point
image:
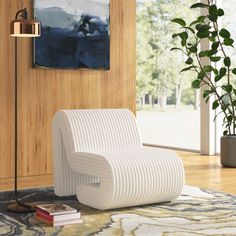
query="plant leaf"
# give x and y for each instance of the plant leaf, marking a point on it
(227, 61)
(215, 45)
(189, 61)
(216, 72)
(215, 104)
(217, 78)
(211, 52)
(215, 59)
(201, 5)
(214, 33)
(206, 93)
(203, 34)
(229, 118)
(183, 35)
(199, 20)
(201, 75)
(234, 103)
(175, 48)
(179, 21)
(188, 68)
(224, 33)
(203, 53)
(204, 27)
(220, 12)
(193, 49)
(223, 71)
(213, 13)
(228, 88)
(234, 71)
(183, 42)
(212, 39)
(207, 99)
(228, 42)
(196, 84)
(207, 68)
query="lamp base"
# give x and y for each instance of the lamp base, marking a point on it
(20, 207)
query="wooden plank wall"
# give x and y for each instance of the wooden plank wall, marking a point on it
(42, 92)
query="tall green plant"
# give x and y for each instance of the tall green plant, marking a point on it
(218, 79)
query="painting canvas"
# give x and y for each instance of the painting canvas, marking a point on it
(75, 34)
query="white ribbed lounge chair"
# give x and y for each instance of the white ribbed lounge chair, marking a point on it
(98, 155)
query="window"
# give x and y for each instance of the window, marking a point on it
(168, 108)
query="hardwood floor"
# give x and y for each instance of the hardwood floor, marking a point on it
(201, 171)
(207, 172)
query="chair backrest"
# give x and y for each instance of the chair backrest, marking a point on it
(97, 129)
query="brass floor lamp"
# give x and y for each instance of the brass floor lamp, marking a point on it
(21, 27)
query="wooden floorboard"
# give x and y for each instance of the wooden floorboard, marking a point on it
(207, 172)
(201, 171)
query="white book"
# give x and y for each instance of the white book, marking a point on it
(68, 222)
(71, 216)
(56, 209)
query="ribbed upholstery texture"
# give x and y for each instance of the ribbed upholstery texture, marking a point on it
(98, 155)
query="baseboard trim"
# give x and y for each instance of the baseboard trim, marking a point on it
(172, 148)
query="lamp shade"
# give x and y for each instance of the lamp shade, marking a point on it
(25, 28)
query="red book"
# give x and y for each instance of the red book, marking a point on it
(44, 220)
(44, 215)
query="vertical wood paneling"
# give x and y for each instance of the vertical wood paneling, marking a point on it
(6, 92)
(43, 92)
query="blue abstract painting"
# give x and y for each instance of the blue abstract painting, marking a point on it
(75, 34)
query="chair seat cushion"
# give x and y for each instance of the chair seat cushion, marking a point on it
(128, 177)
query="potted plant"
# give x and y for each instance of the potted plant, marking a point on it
(218, 75)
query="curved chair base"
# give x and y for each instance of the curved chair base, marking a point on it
(129, 177)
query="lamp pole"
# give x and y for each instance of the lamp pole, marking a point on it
(16, 114)
(20, 27)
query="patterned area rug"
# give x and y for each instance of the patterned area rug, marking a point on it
(195, 212)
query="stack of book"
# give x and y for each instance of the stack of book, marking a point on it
(58, 214)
